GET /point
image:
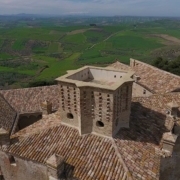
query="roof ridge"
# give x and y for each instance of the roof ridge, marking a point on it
(154, 67)
(15, 118)
(128, 174)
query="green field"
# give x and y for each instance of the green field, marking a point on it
(46, 52)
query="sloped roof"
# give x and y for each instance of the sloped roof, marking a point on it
(92, 156)
(156, 80)
(120, 66)
(29, 99)
(138, 148)
(7, 115)
(159, 102)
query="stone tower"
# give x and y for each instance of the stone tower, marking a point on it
(96, 100)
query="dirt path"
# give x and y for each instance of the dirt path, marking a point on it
(104, 39)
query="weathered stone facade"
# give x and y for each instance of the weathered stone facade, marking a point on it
(140, 91)
(96, 100)
(21, 169)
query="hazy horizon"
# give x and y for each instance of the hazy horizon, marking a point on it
(92, 7)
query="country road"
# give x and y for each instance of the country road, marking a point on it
(104, 39)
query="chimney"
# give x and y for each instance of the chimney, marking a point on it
(4, 137)
(132, 62)
(136, 78)
(172, 108)
(169, 141)
(55, 165)
(46, 108)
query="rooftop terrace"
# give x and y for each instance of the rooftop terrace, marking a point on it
(98, 77)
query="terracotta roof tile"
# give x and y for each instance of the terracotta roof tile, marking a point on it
(92, 156)
(139, 146)
(29, 99)
(120, 66)
(154, 79)
(7, 115)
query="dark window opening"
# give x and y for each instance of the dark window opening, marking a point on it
(70, 116)
(116, 122)
(12, 160)
(144, 92)
(114, 76)
(99, 124)
(174, 130)
(2, 177)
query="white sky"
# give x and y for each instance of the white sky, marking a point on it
(92, 7)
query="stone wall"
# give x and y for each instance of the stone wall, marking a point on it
(170, 166)
(95, 109)
(69, 104)
(22, 169)
(140, 91)
(122, 106)
(87, 109)
(103, 112)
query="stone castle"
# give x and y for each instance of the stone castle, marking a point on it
(113, 123)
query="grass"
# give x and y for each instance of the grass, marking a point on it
(75, 38)
(55, 48)
(5, 56)
(19, 44)
(69, 28)
(96, 36)
(32, 33)
(98, 60)
(7, 69)
(40, 50)
(133, 40)
(59, 68)
(1, 42)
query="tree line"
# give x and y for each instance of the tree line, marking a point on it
(172, 66)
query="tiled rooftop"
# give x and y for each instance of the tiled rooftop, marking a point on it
(92, 156)
(159, 102)
(139, 146)
(7, 115)
(133, 152)
(158, 81)
(120, 66)
(29, 99)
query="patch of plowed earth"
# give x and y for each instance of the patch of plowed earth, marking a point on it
(167, 52)
(167, 39)
(82, 31)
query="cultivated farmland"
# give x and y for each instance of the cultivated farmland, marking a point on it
(29, 54)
